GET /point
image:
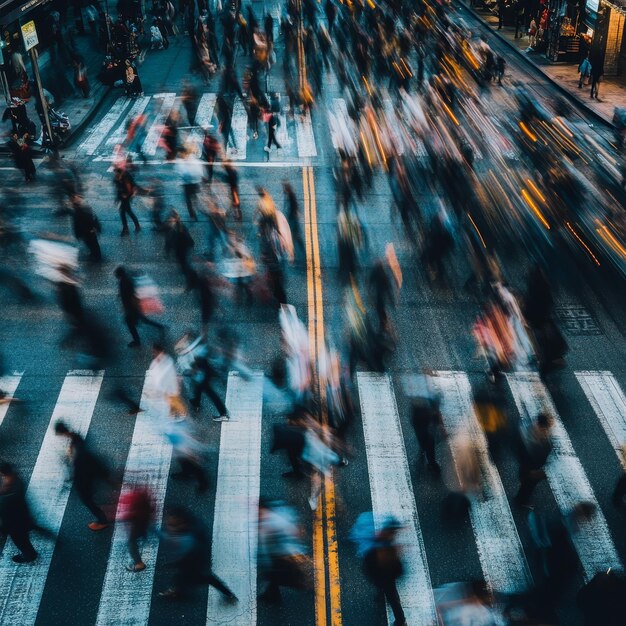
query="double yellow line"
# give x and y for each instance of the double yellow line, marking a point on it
(325, 553)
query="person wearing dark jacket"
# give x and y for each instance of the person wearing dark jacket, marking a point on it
(130, 303)
(86, 226)
(536, 446)
(425, 419)
(87, 470)
(125, 189)
(383, 567)
(180, 241)
(190, 553)
(15, 518)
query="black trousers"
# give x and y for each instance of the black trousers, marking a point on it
(91, 241)
(186, 576)
(125, 209)
(192, 469)
(271, 137)
(20, 538)
(85, 493)
(191, 192)
(205, 387)
(529, 479)
(133, 319)
(390, 592)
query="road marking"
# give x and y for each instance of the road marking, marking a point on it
(204, 114)
(239, 128)
(325, 550)
(126, 597)
(609, 403)
(48, 491)
(235, 522)
(304, 136)
(119, 135)
(269, 164)
(392, 493)
(8, 384)
(567, 478)
(102, 128)
(155, 131)
(499, 547)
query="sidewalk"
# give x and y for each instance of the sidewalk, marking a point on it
(612, 88)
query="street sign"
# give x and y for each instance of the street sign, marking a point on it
(29, 34)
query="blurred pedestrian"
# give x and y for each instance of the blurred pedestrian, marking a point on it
(381, 558)
(292, 209)
(125, 188)
(188, 452)
(190, 170)
(15, 517)
(132, 306)
(536, 446)
(584, 71)
(137, 510)
(86, 226)
(186, 541)
(179, 240)
(87, 471)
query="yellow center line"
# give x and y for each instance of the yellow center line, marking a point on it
(325, 550)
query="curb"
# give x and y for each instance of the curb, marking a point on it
(565, 92)
(77, 128)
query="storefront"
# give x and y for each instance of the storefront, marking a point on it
(565, 27)
(607, 26)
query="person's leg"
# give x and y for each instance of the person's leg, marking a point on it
(133, 217)
(214, 581)
(391, 594)
(22, 542)
(189, 197)
(85, 494)
(123, 210)
(215, 399)
(131, 324)
(133, 547)
(92, 243)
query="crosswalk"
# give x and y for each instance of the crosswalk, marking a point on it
(295, 135)
(126, 598)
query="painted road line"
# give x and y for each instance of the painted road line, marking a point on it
(8, 384)
(499, 547)
(102, 128)
(235, 524)
(567, 478)
(119, 135)
(206, 106)
(48, 491)
(126, 597)
(325, 550)
(609, 403)
(155, 131)
(304, 136)
(392, 493)
(239, 126)
(246, 164)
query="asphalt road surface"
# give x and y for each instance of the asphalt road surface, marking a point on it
(79, 577)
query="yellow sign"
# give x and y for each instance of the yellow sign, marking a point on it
(29, 35)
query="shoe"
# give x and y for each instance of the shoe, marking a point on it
(343, 462)
(255, 135)
(313, 503)
(134, 344)
(135, 411)
(231, 598)
(96, 526)
(137, 228)
(124, 232)
(20, 558)
(266, 149)
(221, 418)
(136, 567)
(399, 622)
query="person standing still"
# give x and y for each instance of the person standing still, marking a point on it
(597, 71)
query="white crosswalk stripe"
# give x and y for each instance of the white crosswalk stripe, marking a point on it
(609, 403)
(8, 384)
(48, 491)
(392, 492)
(236, 503)
(567, 478)
(499, 546)
(156, 128)
(118, 136)
(296, 136)
(103, 127)
(126, 597)
(239, 129)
